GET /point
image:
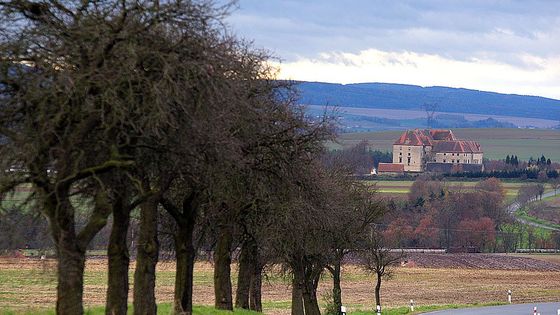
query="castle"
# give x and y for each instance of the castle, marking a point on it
(433, 151)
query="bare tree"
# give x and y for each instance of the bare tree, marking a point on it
(91, 88)
(555, 184)
(357, 207)
(379, 258)
(529, 192)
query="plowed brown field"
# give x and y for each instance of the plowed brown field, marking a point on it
(428, 279)
(483, 261)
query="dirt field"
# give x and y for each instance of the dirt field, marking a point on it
(484, 261)
(458, 279)
(553, 258)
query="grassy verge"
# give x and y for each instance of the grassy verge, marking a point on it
(522, 214)
(164, 308)
(423, 309)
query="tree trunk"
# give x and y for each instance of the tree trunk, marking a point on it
(71, 256)
(146, 260)
(119, 260)
(70, 272)
(310, 282)
(378, 290)
(297, 291)
(337, 291)
(186, 254)
(70, 246)
(255, 291)
(222, 268)
(244, 279)
(310, 301)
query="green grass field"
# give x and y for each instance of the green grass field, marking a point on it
(402, 187)
(496, 143)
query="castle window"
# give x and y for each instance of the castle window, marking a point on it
(409, 160)
(443, 161)
(400, 159)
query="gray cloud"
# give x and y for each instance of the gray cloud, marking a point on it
(501, 31)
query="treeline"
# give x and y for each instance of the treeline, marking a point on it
(540, 169)
(463, 219)
(534, 174)
(362, 157)
(148, 117)
(435, 216)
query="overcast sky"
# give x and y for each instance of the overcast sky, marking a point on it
(502, 46)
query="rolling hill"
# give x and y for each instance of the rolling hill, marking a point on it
(412, 97)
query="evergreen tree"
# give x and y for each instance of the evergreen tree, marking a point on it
(508, 161)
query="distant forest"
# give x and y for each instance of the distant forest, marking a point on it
(412, 97)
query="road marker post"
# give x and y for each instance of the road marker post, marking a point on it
(378, 309)
(411, 305)
(509, 296)
(342, 310)
(535, 310)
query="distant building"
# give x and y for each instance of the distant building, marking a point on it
(390, 169)
(435, 151)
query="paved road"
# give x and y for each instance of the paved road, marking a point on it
(514, 309)
(515, 206)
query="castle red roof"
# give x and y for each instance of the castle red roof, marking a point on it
(425, 137)
(441, 140)
(457, 146)
(390, 168)
(415, 137)
(442, 134)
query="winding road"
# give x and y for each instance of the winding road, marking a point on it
(515, 206)
(512, 309)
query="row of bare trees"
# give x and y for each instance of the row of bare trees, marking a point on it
(114, 108)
